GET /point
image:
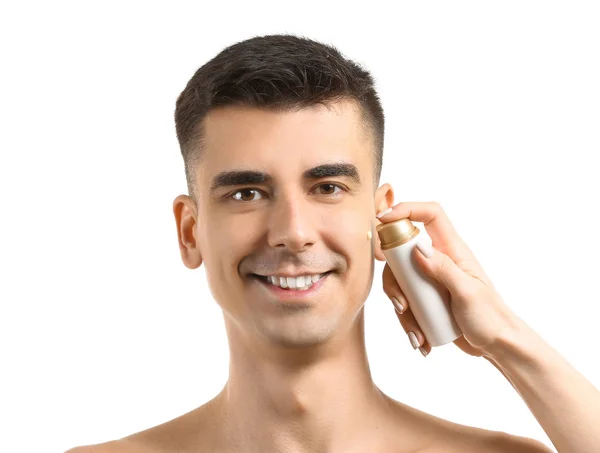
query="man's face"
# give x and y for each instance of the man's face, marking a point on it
(293, 221)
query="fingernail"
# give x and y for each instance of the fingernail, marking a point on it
(425, 248)
(423, 351)
(413, 340)
(382, 213)
(397, 305)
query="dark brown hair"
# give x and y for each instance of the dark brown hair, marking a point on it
(278, 72)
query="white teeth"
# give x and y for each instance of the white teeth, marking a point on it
(301, 283)
(304, 288)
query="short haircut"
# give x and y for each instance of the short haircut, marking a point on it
(275, 72)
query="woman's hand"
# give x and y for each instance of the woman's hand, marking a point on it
(479, 310)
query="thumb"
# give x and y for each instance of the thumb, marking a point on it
(441, 267)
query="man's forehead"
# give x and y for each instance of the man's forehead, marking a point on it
(335, 122)
(284, 144)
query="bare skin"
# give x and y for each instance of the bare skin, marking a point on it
(299, 377)
(198, 431)
(402, 430)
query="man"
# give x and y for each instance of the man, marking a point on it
(282, 140)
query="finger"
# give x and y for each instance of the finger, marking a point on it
(393, 290)
(442, 268)
(407, 320)
(425, 349)
(436, 222)
(416, 337)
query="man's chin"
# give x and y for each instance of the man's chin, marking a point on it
(290, 338)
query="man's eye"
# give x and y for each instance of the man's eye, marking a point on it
(245, 194)
(249, 194)
(330, 188)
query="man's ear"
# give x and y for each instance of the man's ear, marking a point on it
(384, 198)
(186, 216)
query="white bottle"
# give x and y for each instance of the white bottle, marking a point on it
(427, 298)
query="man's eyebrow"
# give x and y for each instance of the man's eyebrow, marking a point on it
(336, 169)
(249, 177)
(238, 178)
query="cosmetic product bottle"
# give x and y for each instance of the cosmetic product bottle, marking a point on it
(427, 298)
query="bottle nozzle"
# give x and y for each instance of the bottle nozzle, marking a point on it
(393, 234)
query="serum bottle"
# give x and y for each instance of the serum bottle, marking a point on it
(427, 298)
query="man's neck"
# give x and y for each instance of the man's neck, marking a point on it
(302, 401)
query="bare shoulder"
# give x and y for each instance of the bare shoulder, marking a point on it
(467, 439)
(449, 437)
(114, 446)
(185, 433)
(158, 439)
(501, 442)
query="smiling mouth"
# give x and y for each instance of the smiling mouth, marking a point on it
(267, 281)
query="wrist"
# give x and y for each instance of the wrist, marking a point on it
(518, 345)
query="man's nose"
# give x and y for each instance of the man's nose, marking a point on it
(291, 223)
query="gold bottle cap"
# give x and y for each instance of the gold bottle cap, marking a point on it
(393, 234)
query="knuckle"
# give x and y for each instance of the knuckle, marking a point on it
(445, 265)
(436, 206)
(387, 291)
(472, 292)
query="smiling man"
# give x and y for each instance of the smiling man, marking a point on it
(282, 139)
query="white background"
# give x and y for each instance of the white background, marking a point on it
(491, 109)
